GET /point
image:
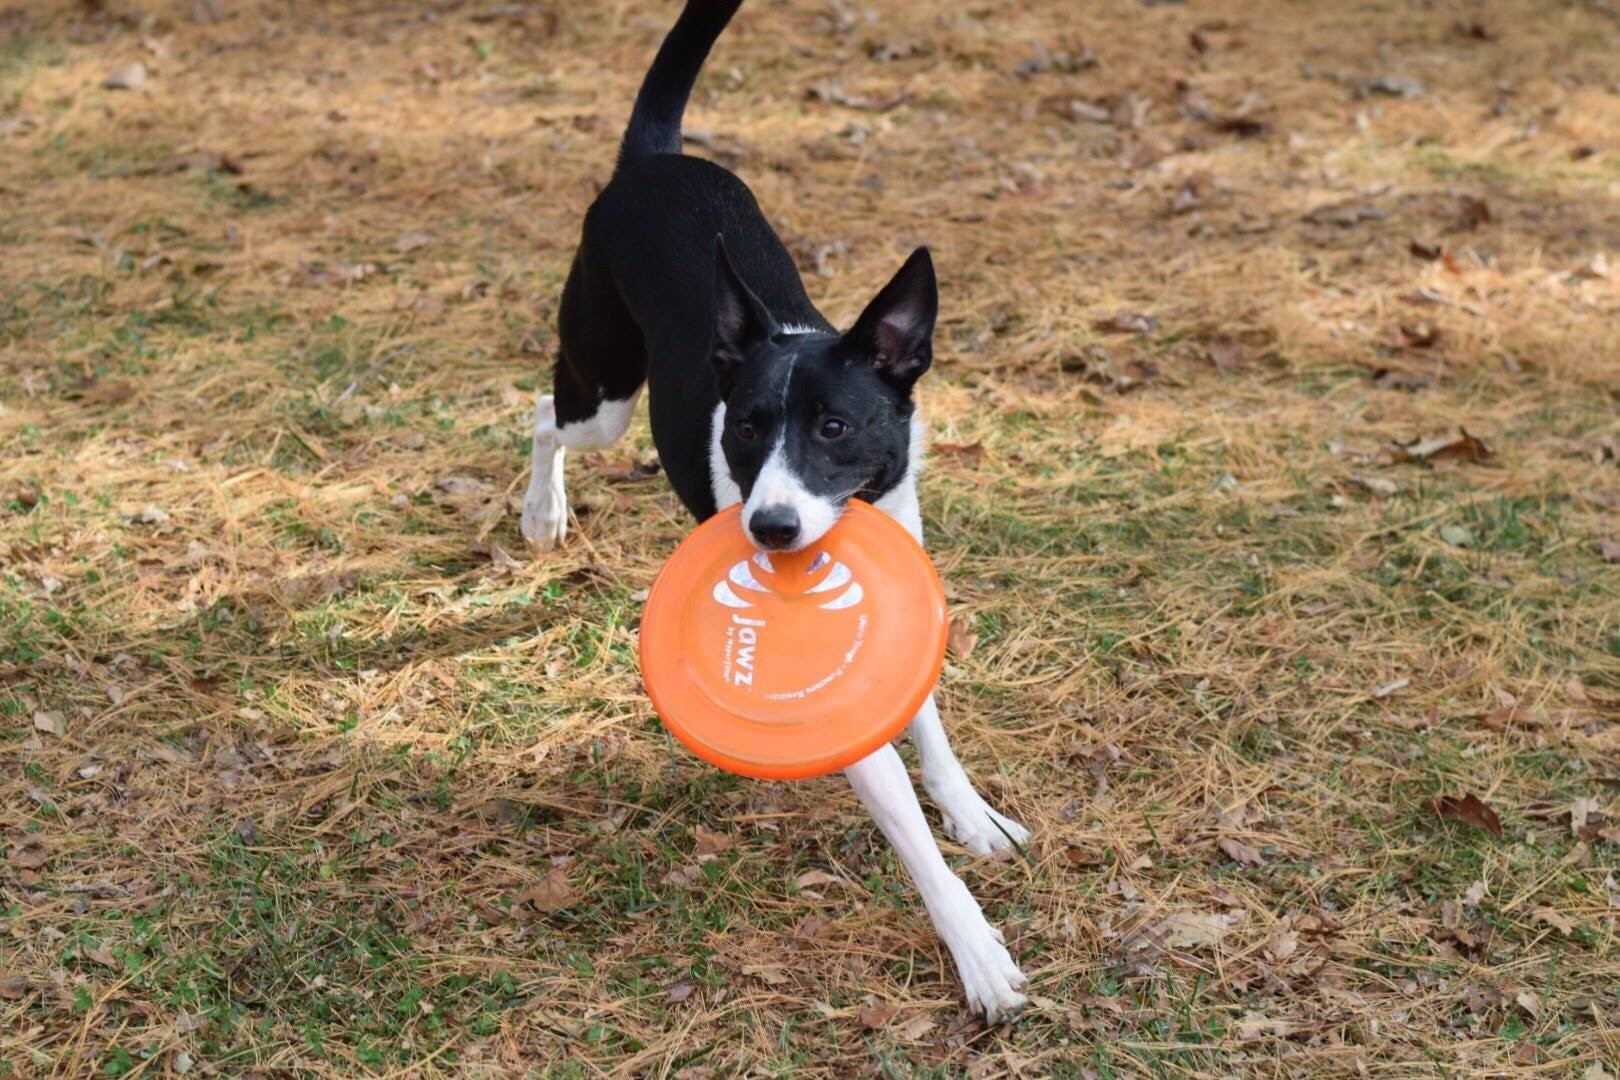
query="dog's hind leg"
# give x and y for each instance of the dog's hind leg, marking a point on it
(989, 975)
(967, 817)
(600, 369)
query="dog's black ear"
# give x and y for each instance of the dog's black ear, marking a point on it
(740, 320)
(896, 331)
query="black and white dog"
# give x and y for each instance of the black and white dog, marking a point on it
(679, 282)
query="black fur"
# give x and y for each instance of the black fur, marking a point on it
(680, 281)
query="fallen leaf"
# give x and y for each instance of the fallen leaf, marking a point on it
(680, 991)
(127, 77)
(413, 241)
(960, 638)
(1402, 86)
(50, 723)
(1378, 485)
(1227, 355)
(1420, 335)
(833, 92)
(1457, 535)
(711, 843)
(1609, 549)
(1464, 447)
(1238, 851)
(1390, 687)
(1128, 322)
(812, 878)
(1596, 1071)
(1470, 811)
(1555, 919)
(1191, 929)
(770, 973)
(150, 515)
(15, 987)
(552, 893)
(1475, 893)
(1422, 249)
(914, 1029)
(1281, 945)
(875, 1016)
(102, 955)
(967, 453)
(1475, 212)
(1530, 1003)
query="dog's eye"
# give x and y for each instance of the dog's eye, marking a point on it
(833, 428)
(745, 430)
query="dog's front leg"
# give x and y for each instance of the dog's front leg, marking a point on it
(967, 817)
(989, 976)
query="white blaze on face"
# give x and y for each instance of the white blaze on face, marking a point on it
(777, 485)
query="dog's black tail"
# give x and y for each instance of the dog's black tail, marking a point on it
(655, 122)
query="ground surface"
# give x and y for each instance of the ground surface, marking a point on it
(307, 767)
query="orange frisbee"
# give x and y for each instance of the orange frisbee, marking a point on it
(784, 665)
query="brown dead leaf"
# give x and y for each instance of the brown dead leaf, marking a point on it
(832, 91)
(712, 843)
(1469, 810)
(769, 973)
(127, 77)
(1239, 852)
(1609, 549)
(553, 892)
(1419, 335)
(15, 987)
(1281, 945)
(1128, 322)
(810, 879)
(960, 638)
(102, 955)
(1474, 212)
(1192, 929)
(29, 855)
(1227, 355)
(914, 1029)
(876, 1016)
(966, 453)
(413, 241)
(1464, 447)
(680, 992)
(1555, 919)
(1422, 249)
(50, 723)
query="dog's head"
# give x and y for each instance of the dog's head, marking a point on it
(811, 418)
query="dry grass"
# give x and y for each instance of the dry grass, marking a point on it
(325, 786)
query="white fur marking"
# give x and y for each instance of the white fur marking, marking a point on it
(603, 428)
(990, 978)
(900, 501)
(721, 485)
(776, 485)
(545, 503)
(798, 328)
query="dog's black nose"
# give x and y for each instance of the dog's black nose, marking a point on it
(775, 527)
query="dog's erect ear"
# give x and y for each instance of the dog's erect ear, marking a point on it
(896, 331)
(740, 320)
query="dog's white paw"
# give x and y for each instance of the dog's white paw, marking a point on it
(970, 821)
(990, 978)
(545, 511)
